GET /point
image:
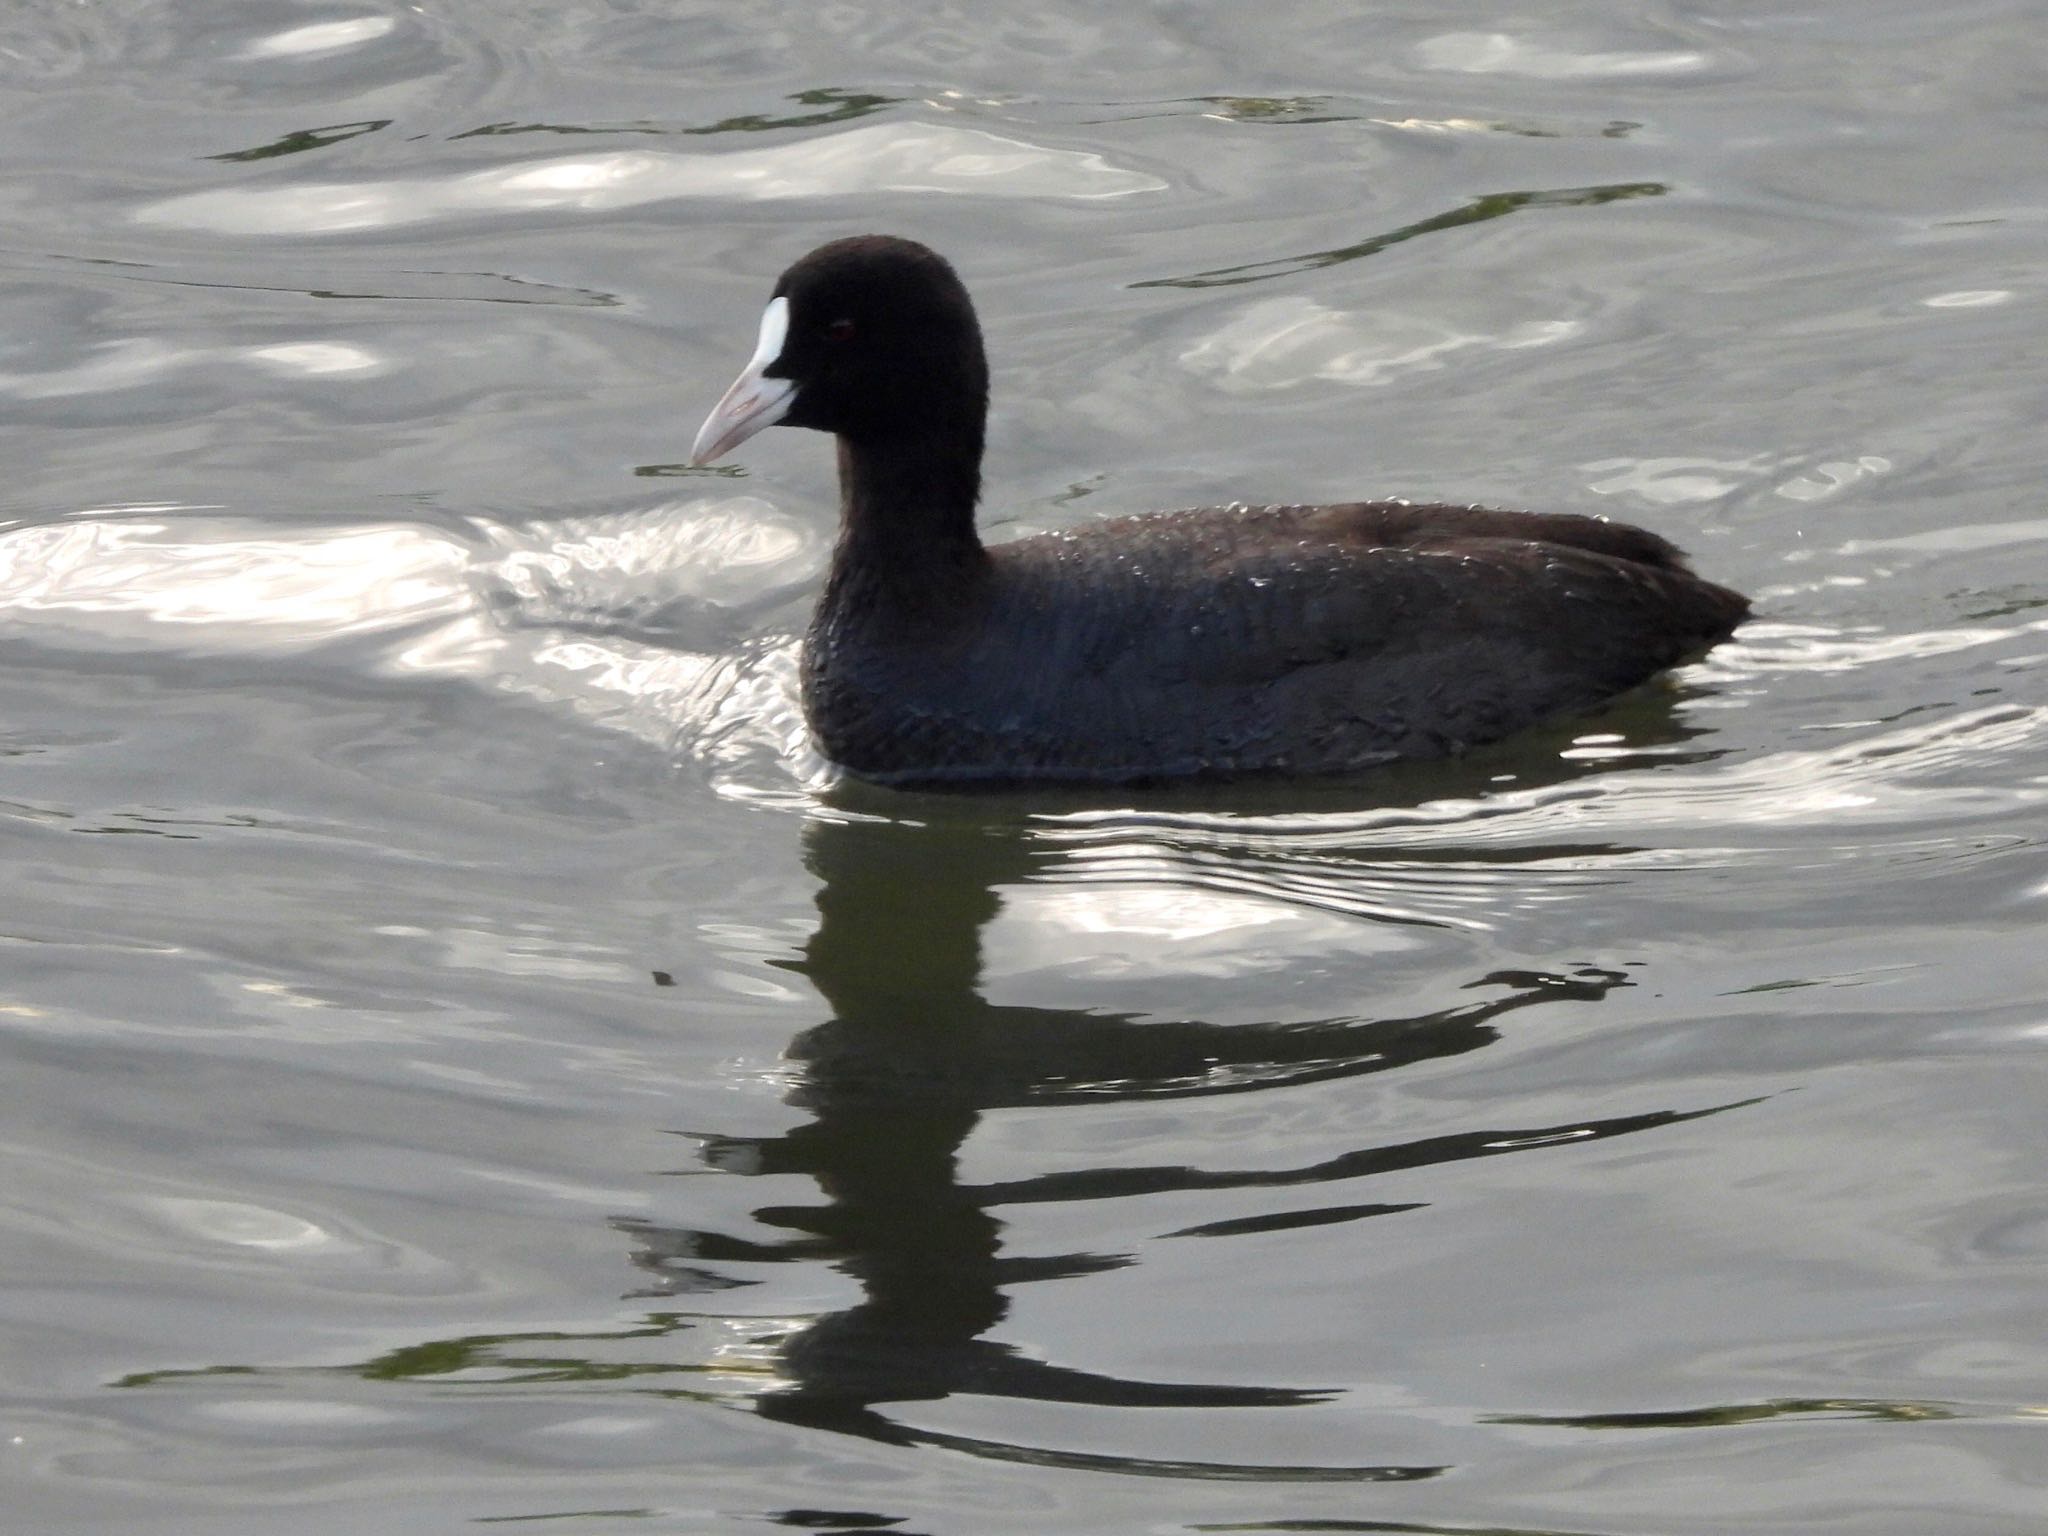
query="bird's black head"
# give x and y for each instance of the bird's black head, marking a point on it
(871, 338)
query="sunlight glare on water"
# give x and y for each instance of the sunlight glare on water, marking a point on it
(469, 1060)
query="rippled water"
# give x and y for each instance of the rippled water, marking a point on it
(462, 1060)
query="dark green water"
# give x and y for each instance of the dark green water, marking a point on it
(461, 1064)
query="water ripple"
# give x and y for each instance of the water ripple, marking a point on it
(880, 157)
(1282, 342)
(1501, 53)
(320, 37)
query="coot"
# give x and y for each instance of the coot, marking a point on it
(1214, 643)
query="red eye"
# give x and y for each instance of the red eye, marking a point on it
(839, 330)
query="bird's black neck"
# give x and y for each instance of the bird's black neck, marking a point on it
(906, 505)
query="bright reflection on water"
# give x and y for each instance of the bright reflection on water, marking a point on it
(466, 1060)
(1283, 342)
(1500, 53)
(320, 37)
(911, 158)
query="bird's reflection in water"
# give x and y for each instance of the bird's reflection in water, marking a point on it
(913, 1055)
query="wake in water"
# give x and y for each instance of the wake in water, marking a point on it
(639, 622)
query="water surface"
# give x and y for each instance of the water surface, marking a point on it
(463, 1062)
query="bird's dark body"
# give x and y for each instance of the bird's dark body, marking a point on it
(1230, 642)
(1216, 643)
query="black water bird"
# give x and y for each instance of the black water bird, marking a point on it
(1214, 643)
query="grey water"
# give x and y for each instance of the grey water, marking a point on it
(463, 1059)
